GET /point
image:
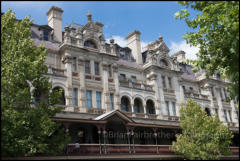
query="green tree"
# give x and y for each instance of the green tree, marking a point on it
(203, 137)
(217, 36)
(26, 126)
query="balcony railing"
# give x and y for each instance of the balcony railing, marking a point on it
(96, 111)
(168, 90)
(57, 71)
(195, 95)
(152, 116)
(140, 115)
(135, 85)
(129, 114)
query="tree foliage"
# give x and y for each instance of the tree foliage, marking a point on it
(217, 36)
(26, 130)
(203, 137)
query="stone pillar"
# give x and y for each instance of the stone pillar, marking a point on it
(92, 68)
(219, 101)
(161, 96)
(157, 94)
(178, 93)
(144, 110)
(234, 110)
(117, 102)
(155, 135)
(105, 87)
(82, 95)
(67, 60)
(133, 112)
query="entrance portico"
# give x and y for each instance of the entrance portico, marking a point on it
(115, 132)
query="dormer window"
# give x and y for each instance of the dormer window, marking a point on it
(90, 44)
(218, 76)
(163, 63)
(45, 35)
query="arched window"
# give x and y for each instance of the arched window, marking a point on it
(90, 44)
(150, 107)
(138, 107)
(207, 111)
(163, 63)
(62, 98)
(125, 104)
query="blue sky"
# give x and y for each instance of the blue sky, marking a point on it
(119, 19)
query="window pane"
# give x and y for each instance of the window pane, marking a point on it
(75, 97)
(87, 66)
(170, 82)
(225, 115)
(167, 108)
(74, 64)
(173, 109)
(45, 35)
(98, 98)
(89, 98)
(96, 67)
(230, 116)
(133, 79)
(163, 82)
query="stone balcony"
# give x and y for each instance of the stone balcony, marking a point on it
(171, 118)
(57, 71)
(93, 77)
(152, 116)
(96, 111)
(135, 85)
(189, 94)
(170, 91)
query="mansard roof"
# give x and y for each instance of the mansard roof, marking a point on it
(47, 44)
(129, 64)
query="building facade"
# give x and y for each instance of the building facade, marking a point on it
(124, 90)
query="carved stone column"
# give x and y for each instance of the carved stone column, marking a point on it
(156, 88)
(116, 82)
(177, 88)
(105, 87)
(67, 60)
(82, 102)
(219, 102)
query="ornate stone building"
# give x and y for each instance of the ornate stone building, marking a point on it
(109, 88)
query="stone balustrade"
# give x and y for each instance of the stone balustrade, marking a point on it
(57, 71)
(142, 86)
(96, 111)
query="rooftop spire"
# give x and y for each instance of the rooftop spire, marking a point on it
(160, 37)
(89, 16)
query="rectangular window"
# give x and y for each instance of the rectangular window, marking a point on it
(45, 35)
(122, 77)
(96, 67)
(74, 64)
(98, 98)
(220, 90)
(89, 98)
(216, 111)
(111, 101)
(170, 82)
(75, 96)
(133, 79)
(167, 108)
(163, 82)
(191, 89)
(225, 115)
(225, 94)
(183, 88)
(87, 66)
(212, 91)
(173, 108)
(230, 116)
(109, 71)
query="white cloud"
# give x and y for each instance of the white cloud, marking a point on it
(182, 45)
(121, 41)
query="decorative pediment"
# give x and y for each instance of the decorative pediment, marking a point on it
(113, 113)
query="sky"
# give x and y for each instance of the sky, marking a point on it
(151, 18)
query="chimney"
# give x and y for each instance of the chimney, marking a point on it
(55, 21)
(133, 42)
(180, 55)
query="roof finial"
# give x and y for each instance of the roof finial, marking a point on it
(89, 16)
(160, 37)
